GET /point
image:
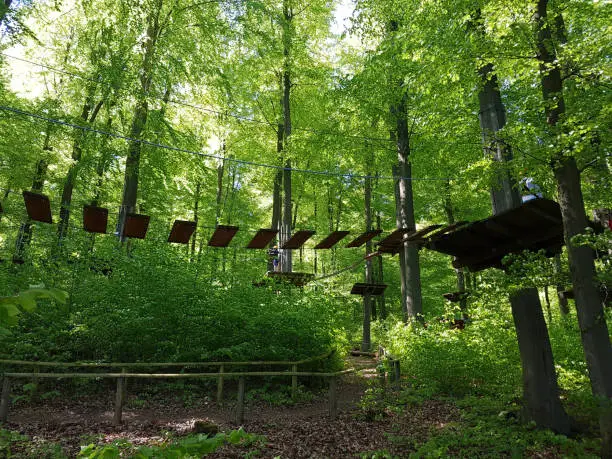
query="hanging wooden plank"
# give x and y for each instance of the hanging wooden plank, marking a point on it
(262, 239)
(95, 219)
(181, 231)
(363, 238)
(297, 240)
(393, 242)
(297, 279)
(364, 289)
(222, 236)
(332, 240)
(38, 206)
(420, 234)
(136, 226)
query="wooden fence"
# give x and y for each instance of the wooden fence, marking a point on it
(122, 376)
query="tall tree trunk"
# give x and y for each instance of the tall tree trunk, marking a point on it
(141, 112)
(286, 262)
(591, 318)
(71, 176)
(563, 304)
(366, 343)
(412, 303)
(24, 235)
(380, 278)
(277, 196)
(196, 219)
(540, 389)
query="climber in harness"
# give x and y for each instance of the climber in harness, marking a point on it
(529, 189)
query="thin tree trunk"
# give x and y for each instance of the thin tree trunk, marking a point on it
(196, 219)
(277, 196)
(591, 318)
(367, 299)
(563, 304)
(24, 235)
(71, 176)
(380, 278)
(141, 113)
(450, 218)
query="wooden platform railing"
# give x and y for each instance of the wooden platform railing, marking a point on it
(124, 374)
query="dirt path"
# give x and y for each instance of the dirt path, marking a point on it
(298, 431)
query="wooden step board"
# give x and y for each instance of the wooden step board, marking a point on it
(181, 231)
(262, 239)
(37, 206)
(332, 240)
(364, 289)
(297, 279)
(136, 226)
(222, 236)
(363, 238)
(297, 240)
(95, 219)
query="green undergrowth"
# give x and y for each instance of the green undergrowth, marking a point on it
(484, 427)
(14, 445)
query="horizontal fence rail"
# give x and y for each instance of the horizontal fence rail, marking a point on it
(124, 375)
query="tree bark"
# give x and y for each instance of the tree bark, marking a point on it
(380, 278)
(141, 112)
(563, 304)
(412, 303)
(366, 343)
(540, 389)
(4, 9)
(196, 219)
(450, 218)
(591, 318)
(71, 176)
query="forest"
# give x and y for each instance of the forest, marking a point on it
(305, 228)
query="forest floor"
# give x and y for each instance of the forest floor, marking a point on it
(300, 430)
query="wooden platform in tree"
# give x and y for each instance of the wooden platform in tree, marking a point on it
(297, 240)
(297, 279)
(393, 243)
(37, 206)
(332, 240)
(181, 231)
(262, 239)
(364, 289)
(363, 238)
(95, 219)
(535, 225)
(136, 226)
(222, 236)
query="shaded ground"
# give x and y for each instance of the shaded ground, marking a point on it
(298, 431)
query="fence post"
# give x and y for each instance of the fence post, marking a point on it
(119, 399)
(35, 384)
(333, 397)
(5, 400)
(397, 374)
(220, 385)
(240, 407)
(294, 382)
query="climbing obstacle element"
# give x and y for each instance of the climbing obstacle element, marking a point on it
(364, 289)
(95, 219)
(363, 238)
(297, 240)
(535, 225)
(331, 240)
(297, 279)
(222, 236)
(181, 231)
(394, 242)
(136, 226)
(37, 206)
(262, 239)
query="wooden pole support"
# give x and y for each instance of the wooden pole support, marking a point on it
(5, 399)
(333, 397)
(35, 383)
(220, 385)
(240, 407)
(119, 399)
(294, 382)
(396, 371)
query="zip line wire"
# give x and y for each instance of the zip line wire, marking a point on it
(196, 107)
(213, 156)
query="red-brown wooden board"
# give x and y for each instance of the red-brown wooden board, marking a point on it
(222, 236)
(297, 240)
(392, 243)
(262, 239)
(364, 289)
(332, 240)
(136, 226)
(95, 219)
(38, 207)
(363, 238)
(181, 231)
